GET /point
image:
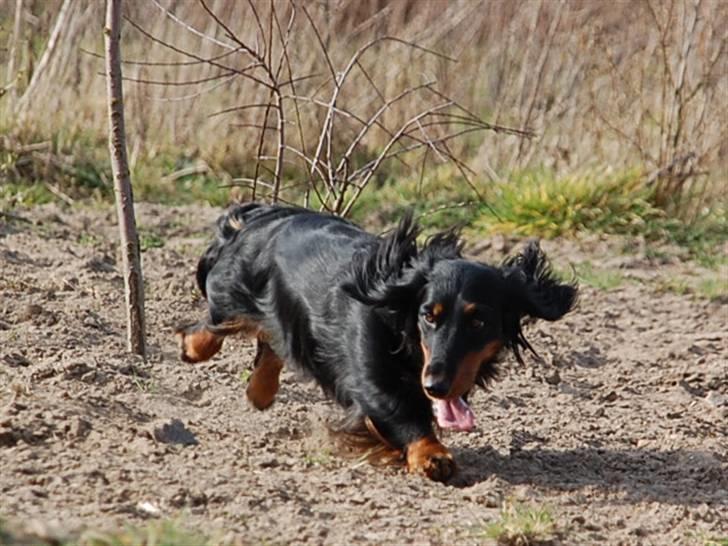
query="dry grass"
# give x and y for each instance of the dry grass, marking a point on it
(601, 85)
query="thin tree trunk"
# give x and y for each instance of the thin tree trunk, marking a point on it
(133, 282)
(58, 27)
(12, 77)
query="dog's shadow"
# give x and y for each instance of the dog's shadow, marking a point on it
(635, 475)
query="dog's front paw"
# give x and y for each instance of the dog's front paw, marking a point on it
(429, 457)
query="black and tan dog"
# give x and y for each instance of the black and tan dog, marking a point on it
(398, 334)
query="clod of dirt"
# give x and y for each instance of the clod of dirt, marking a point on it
(8, 438)
(101, 264)
(611, 397)
(15, 360)
(194, 391)
(75, 370)
(185, 497)
(553, 379)
(78, 428)
(173, 431)
(30, 311)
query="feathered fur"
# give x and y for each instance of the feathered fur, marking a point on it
(383, 324)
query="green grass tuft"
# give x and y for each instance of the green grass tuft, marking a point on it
(713, 288)
(441, 199)
(245, 376)
(162, 533)
(149, 239)
(538, 203)
(13, 194)
(521, 525)
(600, 278)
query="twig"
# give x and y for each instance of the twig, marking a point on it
(55, 190)
(192, 29)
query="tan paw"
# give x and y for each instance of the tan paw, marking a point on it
(429, 457)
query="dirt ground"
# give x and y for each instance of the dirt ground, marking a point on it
(621, 433)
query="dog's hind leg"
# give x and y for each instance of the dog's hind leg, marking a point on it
(197, 343)
(264, 382)
(202, 340)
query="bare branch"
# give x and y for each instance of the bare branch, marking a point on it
(245, 47)
(237, 109)
(375, 117)
(175, 83)
(162, 63)
(386, 149)
(194, 30)
(197, 57)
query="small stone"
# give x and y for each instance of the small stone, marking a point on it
(716, 399)
(146, 508)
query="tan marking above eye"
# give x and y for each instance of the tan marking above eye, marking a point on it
(437, 310)
(469, 308)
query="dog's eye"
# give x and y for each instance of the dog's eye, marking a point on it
(476, 324)
(429, 318)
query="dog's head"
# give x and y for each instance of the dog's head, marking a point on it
(468, 312)
(461, 313)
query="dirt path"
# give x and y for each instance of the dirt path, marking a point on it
(622, 433)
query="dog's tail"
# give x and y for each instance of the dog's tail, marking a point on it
(228, 226)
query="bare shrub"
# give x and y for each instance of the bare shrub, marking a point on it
(601, 85)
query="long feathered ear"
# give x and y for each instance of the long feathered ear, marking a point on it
(534, 286)
(534, 291)
(445, 245)
(376, 269)
(393, 274)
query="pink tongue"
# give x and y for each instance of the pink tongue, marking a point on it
(454, 414)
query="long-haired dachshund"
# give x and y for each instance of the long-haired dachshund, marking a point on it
(397, 333)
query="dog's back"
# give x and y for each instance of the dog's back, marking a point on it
(229, 225)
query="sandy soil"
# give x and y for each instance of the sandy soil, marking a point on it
(622, 431)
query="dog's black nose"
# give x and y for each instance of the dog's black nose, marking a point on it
(436, 386)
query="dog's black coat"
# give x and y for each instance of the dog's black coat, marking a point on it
(356, 310)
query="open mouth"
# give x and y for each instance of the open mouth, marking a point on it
(454, 414)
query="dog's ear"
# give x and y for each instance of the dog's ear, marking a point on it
(534, 288)
(392, 274)
(377, 269)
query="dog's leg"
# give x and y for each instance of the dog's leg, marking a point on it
(414, 435)
(197, 342)
(429, 457)
(202, 340)
(264, 382)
